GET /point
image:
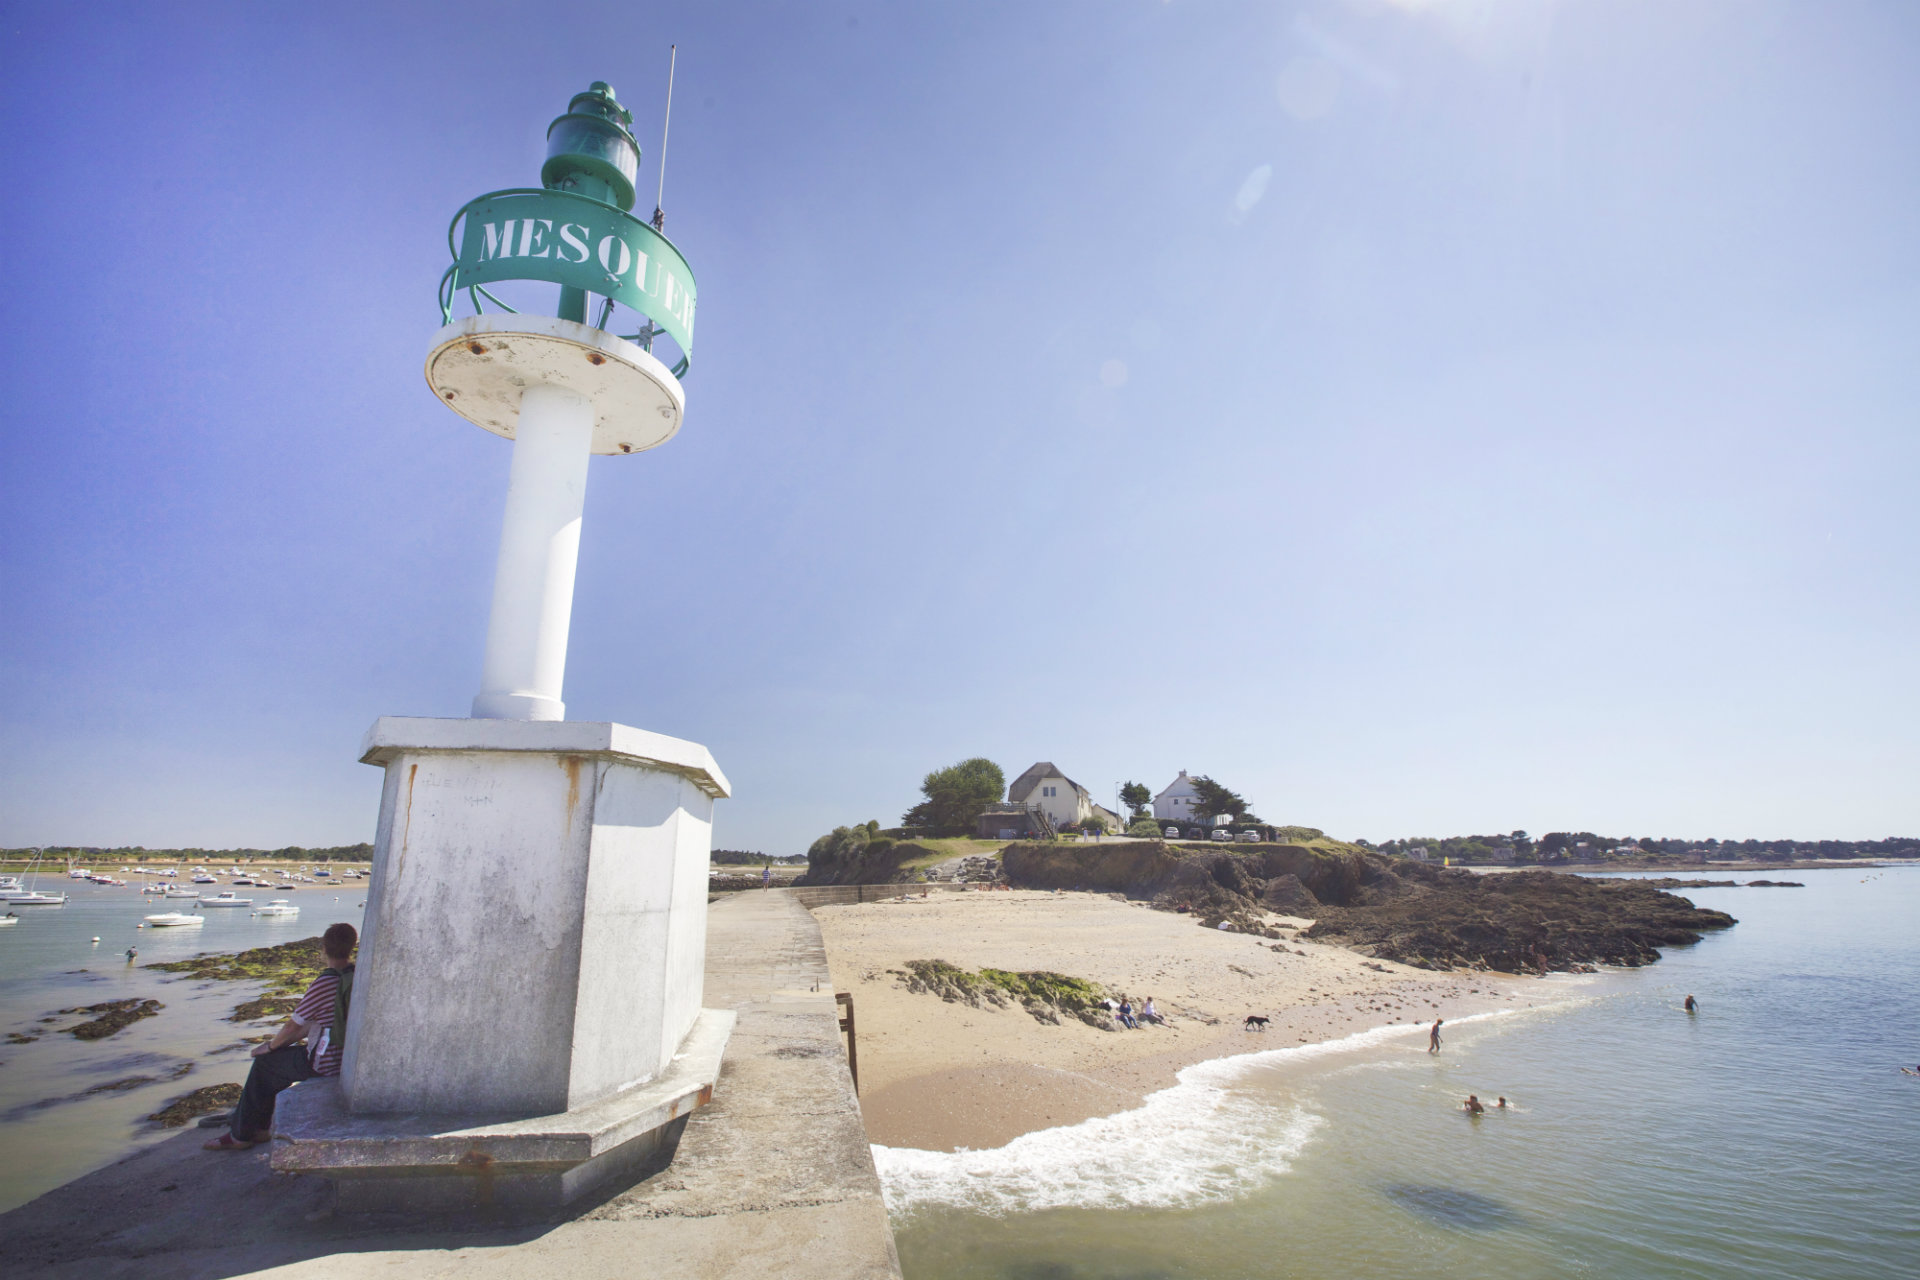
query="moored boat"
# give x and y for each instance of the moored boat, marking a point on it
(225, 898)
(278, 907)
(173, 920)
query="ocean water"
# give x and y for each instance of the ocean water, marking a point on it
(1770, 1134)
(58, 1116)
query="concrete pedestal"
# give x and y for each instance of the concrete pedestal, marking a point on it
(535, 931)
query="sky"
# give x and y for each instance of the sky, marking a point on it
(1424, 418)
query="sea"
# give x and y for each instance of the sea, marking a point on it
(69, 1106)
(1770, 1133)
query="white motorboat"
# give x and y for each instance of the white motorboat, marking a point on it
(278, 907)
(204, 878)
(173, 920)
(183, 893)
(225, 898)
(11, 884)
(8, 919)
(31, 899)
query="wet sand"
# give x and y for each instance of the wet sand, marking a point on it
(942, 1076)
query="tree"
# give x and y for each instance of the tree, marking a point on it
(1212, 798)
(1136, 797)
(955, 796)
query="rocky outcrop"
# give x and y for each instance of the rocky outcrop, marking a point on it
(1525, 921)
(1388, 907)
(876, 862)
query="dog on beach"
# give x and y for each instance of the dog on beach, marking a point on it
(1255, 1023)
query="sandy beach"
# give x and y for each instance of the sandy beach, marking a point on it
(941, 1075)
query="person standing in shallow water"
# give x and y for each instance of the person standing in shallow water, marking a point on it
(1689, 1005)
(1433, 1039)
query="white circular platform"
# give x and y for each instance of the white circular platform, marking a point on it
(480, 365)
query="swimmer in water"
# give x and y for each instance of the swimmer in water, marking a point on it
(1502, 1104)
(1473, 1106)
(1689, 1005)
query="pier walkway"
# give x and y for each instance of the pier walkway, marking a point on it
(774, 1178)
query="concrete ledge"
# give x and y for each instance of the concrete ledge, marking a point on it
(392, 735)
(431, 1163)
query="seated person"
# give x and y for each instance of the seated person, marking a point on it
(1150, 1014)
(320, 1020)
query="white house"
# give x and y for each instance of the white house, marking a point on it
(1065, 802)
(1179, 801)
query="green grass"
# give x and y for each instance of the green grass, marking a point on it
(953, 847)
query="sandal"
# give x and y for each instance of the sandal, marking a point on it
(226, 1142)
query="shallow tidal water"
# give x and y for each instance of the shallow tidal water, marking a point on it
(1770, 1134)
(58, 1119)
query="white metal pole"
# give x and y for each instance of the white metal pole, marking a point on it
(526, 659)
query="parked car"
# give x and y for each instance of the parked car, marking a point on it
(1221, 833)
(1173, 833)
(1249, 837)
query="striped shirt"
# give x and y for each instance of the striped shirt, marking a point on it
(314, 1013)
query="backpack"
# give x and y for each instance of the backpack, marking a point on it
(338, 1032)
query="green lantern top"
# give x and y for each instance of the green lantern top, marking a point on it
(591, 148)
(576, 230)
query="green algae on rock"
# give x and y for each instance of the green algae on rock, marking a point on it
(1044, 995)
(201, 1102)
(111, 1016)
(286, 969)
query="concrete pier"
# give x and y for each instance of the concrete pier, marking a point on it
(773, 1178)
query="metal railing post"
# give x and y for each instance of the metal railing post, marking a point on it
(845, 1000)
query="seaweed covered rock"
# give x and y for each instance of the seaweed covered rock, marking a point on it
(201, 1102)
(111, 1016)
(1526, 921)
(1046, 996)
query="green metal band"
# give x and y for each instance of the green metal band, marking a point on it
(572, 240)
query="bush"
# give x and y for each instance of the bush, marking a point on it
(1145, 829)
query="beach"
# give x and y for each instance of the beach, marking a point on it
(943, 1076)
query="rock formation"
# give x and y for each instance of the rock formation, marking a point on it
(1396, 909)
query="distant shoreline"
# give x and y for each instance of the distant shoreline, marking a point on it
(1799, 864)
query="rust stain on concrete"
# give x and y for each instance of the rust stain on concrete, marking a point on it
(572, 765)
(406, 829)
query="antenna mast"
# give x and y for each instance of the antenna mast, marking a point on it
(659, 212)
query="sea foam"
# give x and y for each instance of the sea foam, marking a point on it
(1198, 1141)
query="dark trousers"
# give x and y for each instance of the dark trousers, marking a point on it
(272, 1073)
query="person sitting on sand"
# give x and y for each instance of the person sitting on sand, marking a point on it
(1126, 1015)
(282, 1062)
(1473, 1106)
(1150, 1014)
(1433, 1040)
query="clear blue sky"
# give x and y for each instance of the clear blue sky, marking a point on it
(1424, 418)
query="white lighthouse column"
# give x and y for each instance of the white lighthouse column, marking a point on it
(526, 660)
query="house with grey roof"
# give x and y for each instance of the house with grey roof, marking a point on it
(1065, 802)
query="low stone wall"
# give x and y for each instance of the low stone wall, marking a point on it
(840, 895)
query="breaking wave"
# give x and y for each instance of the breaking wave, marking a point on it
(1200, 1141)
